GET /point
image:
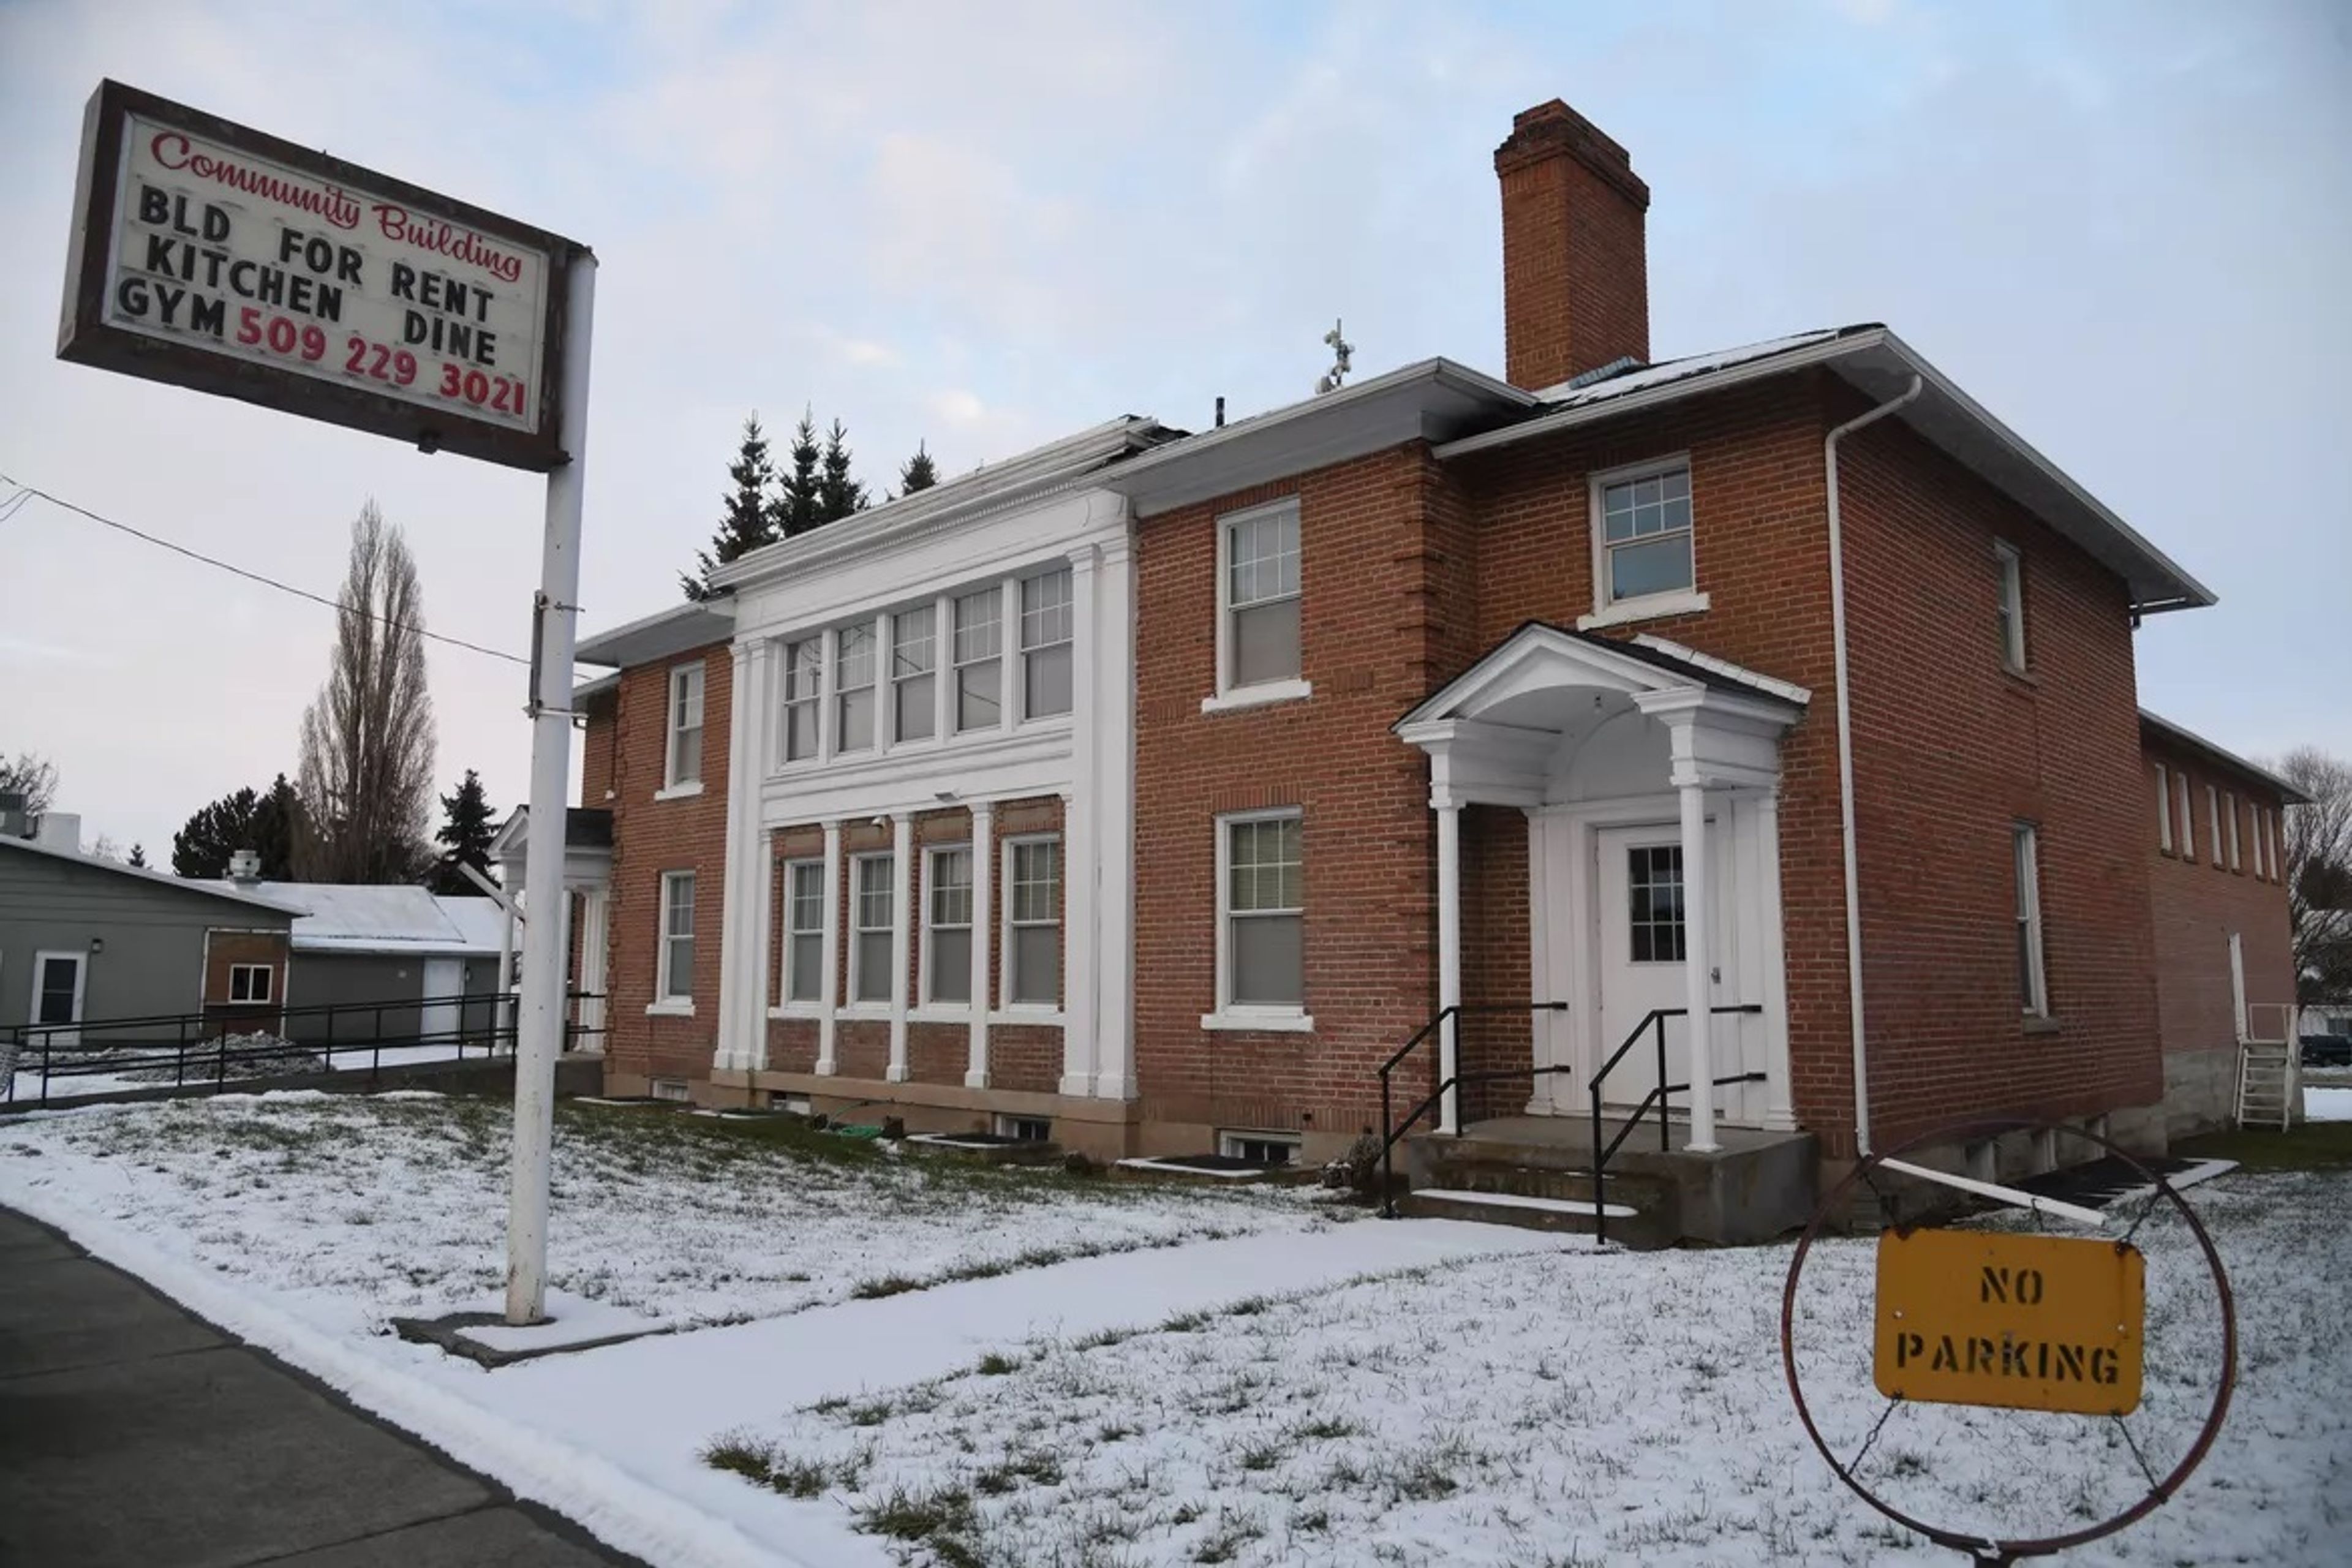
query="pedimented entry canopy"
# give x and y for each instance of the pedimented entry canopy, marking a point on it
(1550, 715)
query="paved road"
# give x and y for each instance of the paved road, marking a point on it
(132, 1432)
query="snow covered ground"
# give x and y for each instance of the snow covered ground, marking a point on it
(2328, 1104)
(1300, 1388)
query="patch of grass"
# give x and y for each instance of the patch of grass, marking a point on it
(797, 1477)
(1113, 1432)
(1261, 1457)
(1226, 1538)
(1035, 1470)
(1185, 1323)
(888, 1285)
(2313, 1146)
(997, 1364)
(739, 1454)
(937, 1519)
(1324, 1428)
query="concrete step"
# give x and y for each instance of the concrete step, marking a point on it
(1628, 1227)
(1470, 1168)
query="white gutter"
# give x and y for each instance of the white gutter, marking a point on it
(1845, 759)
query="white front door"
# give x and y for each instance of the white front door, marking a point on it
(58, 981)
(444, 1015)
(1639, 895)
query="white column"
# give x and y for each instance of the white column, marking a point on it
(1079, 875)
(596, 914)
(1698, 995)
(902, 879)
(564, 962)
(830, 991)
(1449, 956)
(1780, 1092)
(1112, 667)
(742, 810)
(983, 926)
(760, 951)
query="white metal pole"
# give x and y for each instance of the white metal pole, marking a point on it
(1449, 961)
(540, 1035)
(1698, 970)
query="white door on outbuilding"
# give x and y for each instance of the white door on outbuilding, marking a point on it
(444, 1014)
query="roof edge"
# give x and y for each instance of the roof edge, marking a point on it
(2188, 739)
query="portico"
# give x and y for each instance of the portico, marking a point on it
(1649, 775)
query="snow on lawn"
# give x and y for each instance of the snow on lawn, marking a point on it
(2328, 1104)
(350, 1210)
(1574, 1408)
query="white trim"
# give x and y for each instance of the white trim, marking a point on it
(2213, 824)
(673, 783)
(672, 1008)
(2015, 650)
(1258, 696)
(1042, 1017)
(902, 940)
(1771, 686)
(2235, 863)
(270, 971)
(2187, 816)
(2024, 1200)
(827, 1063)
(1608, 610)
(2164, 808)
(1231, 1138)
(1225, 691)
(69, 1032)
(1229, 1014)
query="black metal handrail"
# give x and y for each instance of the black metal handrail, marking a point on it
(210, 1054)
(1654, 1025)
(1393, 1130)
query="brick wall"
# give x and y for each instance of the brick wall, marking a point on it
(625, 754)
(225, 948)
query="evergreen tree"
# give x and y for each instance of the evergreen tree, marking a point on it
(139, 856)
(920, 473)
(750, 520)
(465, 833)
(797, 485)
(262, 822)
(839, 495)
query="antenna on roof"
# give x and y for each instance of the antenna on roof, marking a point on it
(1343, 351)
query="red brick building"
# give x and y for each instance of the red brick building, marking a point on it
(1154, 789)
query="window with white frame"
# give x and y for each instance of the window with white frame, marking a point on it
(804, 697)
(685, 761)
(1259, 1148)
(2163, 807)
(978, 659)
(1262, 919)
(2034, 991)
(1025, 1129)
(2234, 831)
(1261, 593)
(2011, 616)
(2188, 822)
(853, 700)
(249, 983)
(2213, 824)
(1033, 921)
(675, 981)
(914, 681)
(2269, 842)
(1046, 622)
(1641, 533)
(947, 929)
(804, 901)
(874, 906)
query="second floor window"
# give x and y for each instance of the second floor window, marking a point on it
(803, 691)
(1643, 526)
(1262, 596)
(914, 656)
(855, 701)
(978, 659)
(685, 761)
(1046, 627)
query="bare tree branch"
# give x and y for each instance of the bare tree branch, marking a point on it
(2319, 873)
(367, 743)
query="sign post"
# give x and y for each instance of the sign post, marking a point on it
(208, 255)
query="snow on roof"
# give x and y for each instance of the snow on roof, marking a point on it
(351, 918)
(1590, 389)
(242, 895)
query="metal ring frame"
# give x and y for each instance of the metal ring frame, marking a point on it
(1984, 1549)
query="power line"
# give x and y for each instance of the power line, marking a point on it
(17, 502)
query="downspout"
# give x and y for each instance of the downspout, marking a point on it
(1845, 762)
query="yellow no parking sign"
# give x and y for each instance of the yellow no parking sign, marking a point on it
(2027, 1322)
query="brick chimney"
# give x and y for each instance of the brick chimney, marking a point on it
(1576, 287)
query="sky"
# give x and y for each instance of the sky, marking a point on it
(2125, 228)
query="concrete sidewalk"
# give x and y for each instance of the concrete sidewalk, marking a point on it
(132, 1432)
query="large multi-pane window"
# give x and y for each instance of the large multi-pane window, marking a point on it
(948, 926)
(1644, 523)
(675, 981)
(1046, 628)
(684, 766)
(980, 660)
(2034, 993)
(1261, 596)
(854, 700)
(802, 691)
(1265, 897)
(1032, 891)
(805, 893)
(870, 969)
(914, 683)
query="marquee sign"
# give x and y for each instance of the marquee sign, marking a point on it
(209, 255)
(2026, 1322)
